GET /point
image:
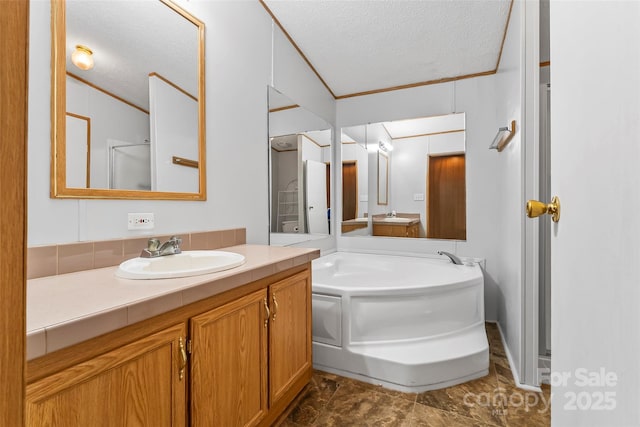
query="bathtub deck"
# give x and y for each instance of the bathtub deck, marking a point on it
(433, 350)
(408, 323)
(414, 366)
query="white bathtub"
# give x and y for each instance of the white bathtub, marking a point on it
(408, 323)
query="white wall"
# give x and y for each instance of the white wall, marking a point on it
(595, 293)
(174, 132)
(241, 61)
(310, 150)
(477, 98)
(509, 186)
(410, 154)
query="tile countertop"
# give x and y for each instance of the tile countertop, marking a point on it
(69, 308)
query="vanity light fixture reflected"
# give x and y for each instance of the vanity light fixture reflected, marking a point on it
(82, 57)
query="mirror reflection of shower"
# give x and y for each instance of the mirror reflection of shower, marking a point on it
(129, 165)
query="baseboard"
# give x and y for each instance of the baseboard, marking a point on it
(516, 377)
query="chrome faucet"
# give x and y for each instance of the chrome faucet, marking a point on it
(454, 259)
(155, 249)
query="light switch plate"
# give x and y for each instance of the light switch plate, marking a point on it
(418, 197)
(140, 221)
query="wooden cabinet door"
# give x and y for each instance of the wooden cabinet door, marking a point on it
(229, 363)
(135, 385)
(290, 333)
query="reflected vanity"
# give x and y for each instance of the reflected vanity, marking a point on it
(128, 123)
(299, 172)
(405, 178)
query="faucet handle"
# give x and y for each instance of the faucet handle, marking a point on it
(176, 240)
(153, 244)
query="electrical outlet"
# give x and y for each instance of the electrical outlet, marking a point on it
(140, 221)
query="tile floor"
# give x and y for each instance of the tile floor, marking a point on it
(331, 400)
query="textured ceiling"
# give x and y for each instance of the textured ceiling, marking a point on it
(364, 45)
(129, 40)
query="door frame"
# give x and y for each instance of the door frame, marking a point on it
(545, 228)
(530, 141)
(14, 82)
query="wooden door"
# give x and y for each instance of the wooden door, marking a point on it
(446, 208)
(135, 385)
(349, 190)
(229, 364)
(289, 334)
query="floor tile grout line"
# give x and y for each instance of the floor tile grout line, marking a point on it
(413, 411)
(412, 418)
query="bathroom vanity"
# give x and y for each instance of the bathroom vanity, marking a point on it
(353, 224)
(397, 226)
(236, 350)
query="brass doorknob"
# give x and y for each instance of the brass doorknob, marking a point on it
(536, 208)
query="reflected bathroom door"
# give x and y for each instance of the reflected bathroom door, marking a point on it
(349, 190)
(316, 192)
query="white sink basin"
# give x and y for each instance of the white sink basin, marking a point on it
(185, 264)
(396, 219)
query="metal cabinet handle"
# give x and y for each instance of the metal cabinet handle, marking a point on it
(275, 306)
(183, 357)
(266, 308)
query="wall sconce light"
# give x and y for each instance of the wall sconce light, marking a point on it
(82, 57)
(385, 146)
(503, 137)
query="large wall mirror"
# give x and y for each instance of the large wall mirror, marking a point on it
(405, 178)
(127, 101)
(299, 172)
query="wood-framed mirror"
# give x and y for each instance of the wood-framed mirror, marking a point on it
(130, 122)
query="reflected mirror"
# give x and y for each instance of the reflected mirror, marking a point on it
(383, 178)
(299, 172)
(405, 178)
(127, 101)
